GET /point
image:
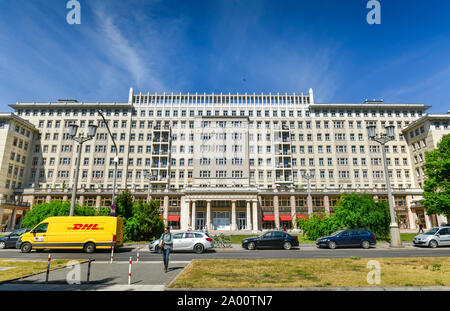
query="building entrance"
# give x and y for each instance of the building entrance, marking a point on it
(221, 220)
(199, 220)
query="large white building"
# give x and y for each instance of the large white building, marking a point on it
(228, 161)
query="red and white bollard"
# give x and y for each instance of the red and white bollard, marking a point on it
(137, 257)
(48, 267)
(129, 273)
(112, 253)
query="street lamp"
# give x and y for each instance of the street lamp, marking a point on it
(73, 128)
(116, 160)
(382, 140)
(308, 177)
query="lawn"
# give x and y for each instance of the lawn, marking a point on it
(331, 272)
(22, 268)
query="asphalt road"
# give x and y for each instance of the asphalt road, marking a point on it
(124, 254)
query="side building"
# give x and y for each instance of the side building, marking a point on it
(226, 161)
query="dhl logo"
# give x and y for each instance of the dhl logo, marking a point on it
(85, 227)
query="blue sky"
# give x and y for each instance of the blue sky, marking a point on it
(226, 46)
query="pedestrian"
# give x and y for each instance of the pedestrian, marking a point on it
(206, 228)
(420, 228)
(284, 228)
(166, 246)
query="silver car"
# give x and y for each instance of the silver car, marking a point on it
(439, 236)
(186, 241)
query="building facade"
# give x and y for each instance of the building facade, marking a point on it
(226, 161)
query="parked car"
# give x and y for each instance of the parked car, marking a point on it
(11, 239)
(438, 236)
(271, 239)
(186, 241)
(348, 238)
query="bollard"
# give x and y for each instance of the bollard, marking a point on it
(112, 253)
(129, 273)
(137, 261)
(89, 269)
(48, 268)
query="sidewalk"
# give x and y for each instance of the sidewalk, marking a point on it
(104, 276)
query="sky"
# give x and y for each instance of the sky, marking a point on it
(237, 46)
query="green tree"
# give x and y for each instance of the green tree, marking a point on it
(55, 208)
(145, 222)
(354, 210)
(436, 190)
(124, 205)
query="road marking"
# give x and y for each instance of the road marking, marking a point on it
(141, 262)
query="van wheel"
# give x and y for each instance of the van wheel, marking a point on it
(89, 247)
(199, 248)
(25, 247)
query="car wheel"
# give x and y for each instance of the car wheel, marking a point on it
(433, 244)
(158, 250)
(89, 247)
(331, 245)
(2, 245)
(365, 244)
(251, 246)
(199, 248)
(25, 247)
(287, 245)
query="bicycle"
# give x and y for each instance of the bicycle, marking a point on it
(222, 241)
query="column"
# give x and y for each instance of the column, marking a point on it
(81, 200)
(184, 216)
(293, 212)
(48, 198)
(13, 220)
(208, 215)
(255, 215)
(65, 197)
(427, 220)
(276, 212)
(193, 216)
(233, 215)
(2, 212)
(249, 218)
(98, 201)
(326, 203)
(411, 219)
(166, 209)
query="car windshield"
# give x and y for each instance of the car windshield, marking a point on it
(337, 232)
(432, 231)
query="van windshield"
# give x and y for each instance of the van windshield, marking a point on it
(432, 231)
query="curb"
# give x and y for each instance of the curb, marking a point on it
(37, 273)
(166, 286)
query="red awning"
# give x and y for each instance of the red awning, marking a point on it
(302, 216)
(173, 218)
(285, 217)
(268, 218)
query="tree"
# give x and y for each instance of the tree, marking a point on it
(352, 211)
(124, 205)
(355, 210)
(55, 208)
(145, 223)
(436, 190)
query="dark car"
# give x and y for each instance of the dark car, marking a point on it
(11, 239)
(348, 238)
(271, 239)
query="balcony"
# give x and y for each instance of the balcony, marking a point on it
(13, 204)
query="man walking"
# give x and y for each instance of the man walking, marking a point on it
(166, 246)
(420, 228)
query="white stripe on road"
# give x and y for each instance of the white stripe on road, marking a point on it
(141, 262)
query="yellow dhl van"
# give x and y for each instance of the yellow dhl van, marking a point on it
(76, 232)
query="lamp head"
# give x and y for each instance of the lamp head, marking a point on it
(73, 128)
(390, 131)
(92, 129)
(371, 131)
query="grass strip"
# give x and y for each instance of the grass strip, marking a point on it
(330, 272)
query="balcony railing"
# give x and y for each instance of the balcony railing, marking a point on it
(13, 203)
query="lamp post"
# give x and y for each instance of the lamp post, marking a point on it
(116, 160)
(73, 128)
(308, 177)
(383, 140)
